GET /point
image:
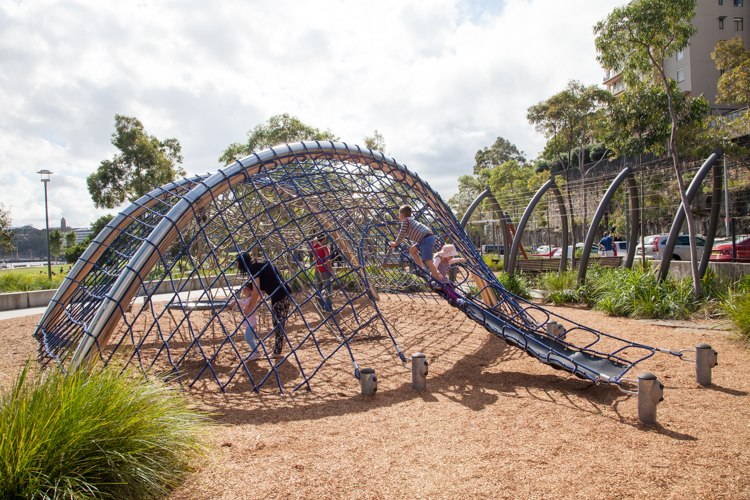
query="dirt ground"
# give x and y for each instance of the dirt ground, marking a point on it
(493, 422)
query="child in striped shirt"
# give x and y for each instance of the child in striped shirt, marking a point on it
(422, 238)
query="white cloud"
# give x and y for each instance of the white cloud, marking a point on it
(438, 79)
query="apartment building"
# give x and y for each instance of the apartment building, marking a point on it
(693, 68)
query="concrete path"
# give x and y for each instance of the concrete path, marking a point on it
(164, 297)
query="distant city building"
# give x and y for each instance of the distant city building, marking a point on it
(64, 225)
(693, 68)
(82, 233)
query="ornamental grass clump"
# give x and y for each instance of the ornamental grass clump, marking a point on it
(736, 306)
(515, 284)
(96, 433)
(17, 282)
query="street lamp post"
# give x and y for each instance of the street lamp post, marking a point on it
(45, 179)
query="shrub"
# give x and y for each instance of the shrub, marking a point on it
(494, 266)
(97, 433)
(515, 284)
(17, 282)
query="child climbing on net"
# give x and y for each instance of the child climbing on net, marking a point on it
(422, 238)
(447, 256)
(250, 312)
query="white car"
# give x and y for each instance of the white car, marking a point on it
(579, 246)
(654, 247)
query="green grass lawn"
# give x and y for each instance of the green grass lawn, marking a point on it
(25, 271)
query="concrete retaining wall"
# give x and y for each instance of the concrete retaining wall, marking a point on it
(726, 270)
(42, 298)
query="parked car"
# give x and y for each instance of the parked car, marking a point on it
(722, 250)
(545, 251)
(654, 247)
(594, 250)
(620, 248)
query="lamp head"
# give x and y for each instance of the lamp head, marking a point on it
(45, 175)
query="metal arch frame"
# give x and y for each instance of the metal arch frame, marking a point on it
(714, 221)
(564, 221)
(679, 217)
(105, 319)
(598, 215)
(524, 220)
(550, 184)
(499, 214)
(635, 220)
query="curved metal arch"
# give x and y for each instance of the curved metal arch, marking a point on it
(679, 217)
(524, 220)
(106, 320)
(597, 219)
(714, 221)
(564, 221)
(498, 213)
(635, 220)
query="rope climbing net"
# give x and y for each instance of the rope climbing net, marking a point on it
(159, 287)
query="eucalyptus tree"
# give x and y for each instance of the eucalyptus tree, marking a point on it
(636, 39)
(143, 164)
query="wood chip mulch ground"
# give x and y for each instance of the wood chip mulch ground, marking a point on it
(493, 422)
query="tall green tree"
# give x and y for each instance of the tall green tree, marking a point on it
(143, 164)
(6, 233)
(278, 129)
(70, 239)
(567, 119)
(55, 242)
(513, 184)
(636, 39)
(501, 151)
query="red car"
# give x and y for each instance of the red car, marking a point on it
(723, 251)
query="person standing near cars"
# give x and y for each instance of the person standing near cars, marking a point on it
(605, 246)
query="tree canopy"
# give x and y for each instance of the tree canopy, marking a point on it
(733, 60)
(6, 233)
(639, 122)
(278, 129)
(143, 164)
(497, 154)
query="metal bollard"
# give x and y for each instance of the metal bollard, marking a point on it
(555, 329)
(418, 372)
(368, 381)
(650, 394)
(705, 359)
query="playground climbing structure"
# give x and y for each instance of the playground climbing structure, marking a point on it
(157, 288)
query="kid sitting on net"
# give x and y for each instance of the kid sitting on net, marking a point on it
(421, 236)
(447, 256)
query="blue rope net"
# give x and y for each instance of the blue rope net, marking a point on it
(159, 287)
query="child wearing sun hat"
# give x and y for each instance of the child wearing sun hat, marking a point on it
(445, 257)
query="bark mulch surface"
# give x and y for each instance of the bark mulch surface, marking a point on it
(493, 422)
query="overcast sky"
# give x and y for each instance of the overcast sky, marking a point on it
(439, 79)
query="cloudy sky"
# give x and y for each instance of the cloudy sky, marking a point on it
(439, 79)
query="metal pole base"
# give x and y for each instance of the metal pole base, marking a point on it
(705, 359)
(418, 372)
(650, 394)
(368, 381)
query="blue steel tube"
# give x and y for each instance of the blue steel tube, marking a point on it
(679, 217)
(597, 219)
(522, 224)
